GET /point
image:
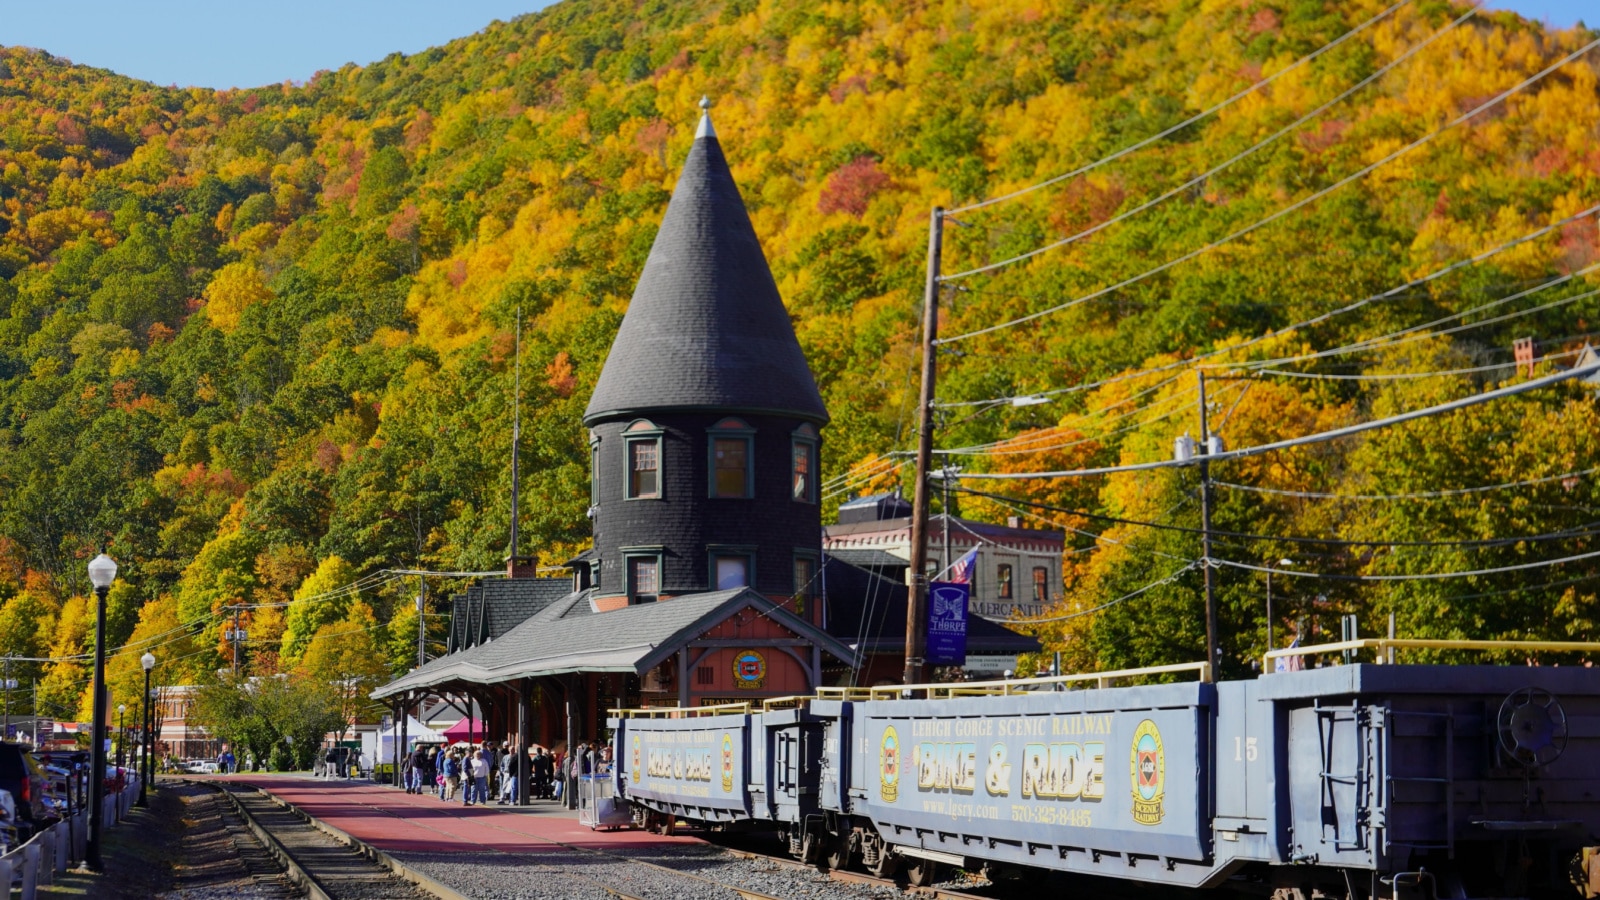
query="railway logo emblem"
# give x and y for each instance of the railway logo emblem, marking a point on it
(1148, 768)
(749, 670)
(727, 763)
(635, 767)
(889, 765)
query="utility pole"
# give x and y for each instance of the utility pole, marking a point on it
(516, 434)
(422, 622)
(945, 474)
(235, 636)
(916, 609)
(1213, 649)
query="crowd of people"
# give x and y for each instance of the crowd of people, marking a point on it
(477, 773)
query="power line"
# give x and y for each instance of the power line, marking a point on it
(1198, 179)
(1420, 576)
(1419, 332)
(1107, 605)
(1422, 495)
(1472, 543)
(1139, 145)
(1397, 376)
(1319, 437)
(1321, 317)
(1273, 217)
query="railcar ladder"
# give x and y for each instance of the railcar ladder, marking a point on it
(1352, 835)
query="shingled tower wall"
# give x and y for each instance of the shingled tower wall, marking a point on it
(706, 351)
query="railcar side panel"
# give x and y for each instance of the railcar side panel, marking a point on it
(1063, 780)
(695, 768)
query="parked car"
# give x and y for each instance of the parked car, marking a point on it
(23, 778)
(208, 768)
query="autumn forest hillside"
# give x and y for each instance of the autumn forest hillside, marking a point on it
(259, 344)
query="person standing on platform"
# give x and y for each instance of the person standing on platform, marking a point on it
(478, 778)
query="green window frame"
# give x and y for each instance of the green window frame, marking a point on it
(642, 444)
(730, 460)
(721, 561)
(803, 464)
(642, 573)
(594, 469)
(806, 570)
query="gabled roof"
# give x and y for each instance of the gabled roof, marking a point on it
(568, 636)
(491, 608)
(706, 329)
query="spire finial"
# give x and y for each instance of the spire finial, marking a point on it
(705, 130)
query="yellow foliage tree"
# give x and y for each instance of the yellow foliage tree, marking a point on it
(235, 288)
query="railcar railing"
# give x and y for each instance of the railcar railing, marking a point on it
(1387, 648)
(682, 712)
(1008, 687)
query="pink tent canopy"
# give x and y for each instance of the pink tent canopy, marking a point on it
(458, 731)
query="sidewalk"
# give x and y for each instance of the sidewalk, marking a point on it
(395, 821)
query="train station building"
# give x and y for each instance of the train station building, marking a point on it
(708, 581)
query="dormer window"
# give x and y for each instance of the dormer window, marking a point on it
(730, 442)
(642, 441)
(803, 467)
(642, 569)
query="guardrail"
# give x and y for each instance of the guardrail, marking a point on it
(51, 851)
(1388, 647)
(681, 712)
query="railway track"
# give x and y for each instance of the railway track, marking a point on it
(319, 866)
(608, 874)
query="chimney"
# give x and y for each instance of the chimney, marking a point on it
(1013, 522)
(522, 566)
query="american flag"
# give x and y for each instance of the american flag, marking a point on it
(961, 572)
(1290, 663)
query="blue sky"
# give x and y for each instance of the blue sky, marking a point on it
(248, 43)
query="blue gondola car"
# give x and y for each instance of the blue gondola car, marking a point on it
(1356, 781)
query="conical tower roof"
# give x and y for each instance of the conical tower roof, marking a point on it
(706, 329)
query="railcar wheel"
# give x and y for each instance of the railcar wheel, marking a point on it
(921, 872)
(837, 855)
(886, 865)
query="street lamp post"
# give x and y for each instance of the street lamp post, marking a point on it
(1285, 563)
(146, 746)
(102, 571)
(121, 741)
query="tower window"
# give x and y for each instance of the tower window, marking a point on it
(642, 458)
(594, 469)
(644, 468)
(1003, 576)
(730, 446)
(803, 475)
(1041, 584)
(732, 467)
(732, 572)
(805, 572)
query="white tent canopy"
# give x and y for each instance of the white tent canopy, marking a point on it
(381, 748)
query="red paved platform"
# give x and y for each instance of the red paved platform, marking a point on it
(393, 820)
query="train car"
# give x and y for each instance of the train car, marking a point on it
(692, 767)
(1356, 781)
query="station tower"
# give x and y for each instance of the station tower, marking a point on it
(705, 426)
